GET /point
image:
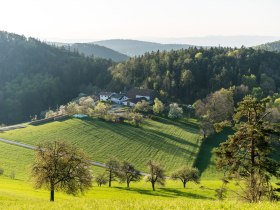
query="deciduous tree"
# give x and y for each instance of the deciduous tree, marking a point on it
(113, 167)
(186, 174)
(61, 166)
(156, 174)
(128, 173)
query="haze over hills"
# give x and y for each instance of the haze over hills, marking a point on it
(89, 49)
(135, 48)
(223, 41)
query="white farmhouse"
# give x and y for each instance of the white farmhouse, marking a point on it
(104, 96)
(118, 98)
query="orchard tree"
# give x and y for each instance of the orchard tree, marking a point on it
(186, 174)
(128, 173)
(101, 109)
(101, 179)
(175, 111)
(215, 111)
(61, 166)
(112, 167)
(158, 106)
(156, 174)
(136, 118)
(142, 106)
(246, 155)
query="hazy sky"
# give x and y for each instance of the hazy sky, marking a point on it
(139, 19)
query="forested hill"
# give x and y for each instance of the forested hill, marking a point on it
(35, 76)
(136, 48)
(93, 50)
(186, 75)
(271, 46)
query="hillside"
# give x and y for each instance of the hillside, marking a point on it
(136, 48)
(271, 46)
(173, 144)
(190, 74)
(35, 76)
(97, 51)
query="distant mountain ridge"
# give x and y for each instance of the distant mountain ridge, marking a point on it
(270, 46)
(136, 48)
(90, 49)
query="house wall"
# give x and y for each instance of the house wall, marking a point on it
(103, 98)
(147, 97)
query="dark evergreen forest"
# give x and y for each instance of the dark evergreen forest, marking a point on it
(35, 76)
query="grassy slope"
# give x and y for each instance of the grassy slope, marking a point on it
(19, 194)
(173, 144)
(16, 194)
(16, 159)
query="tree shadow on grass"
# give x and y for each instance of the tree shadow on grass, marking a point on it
(165, 192)
(178, 193)
(189, 127)
(203, 159)
(146, 192)
(145, 136)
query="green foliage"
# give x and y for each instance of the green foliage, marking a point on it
(246, 155)
(61, 166)
(175, 111)
(128, 173)
(186, 174)
(135, 118)
(156, 174)
(36, 76)
(215, 111)
(277, 102)
(112, 168)
(142, 106)
(101, 179)
(178, 75)
(249, 80)
(158, 106)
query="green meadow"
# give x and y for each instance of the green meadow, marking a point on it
(173, 143)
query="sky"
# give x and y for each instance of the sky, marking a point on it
(89, 20)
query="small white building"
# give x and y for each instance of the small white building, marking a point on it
(134, 101)
(104, 96)
(118, 98)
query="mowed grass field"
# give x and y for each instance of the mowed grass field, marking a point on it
(168, 142)
(19, 193)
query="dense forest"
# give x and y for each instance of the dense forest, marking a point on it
(190, 74)
(271, 46)
(35, 76)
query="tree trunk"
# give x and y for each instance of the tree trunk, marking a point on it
(184, 184)
(127, 184)
(110, 178)
(52, 193)
(253, 181)
(153, 185)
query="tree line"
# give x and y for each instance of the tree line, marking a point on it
(190, 74)
(60, 166)
(35, 76)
